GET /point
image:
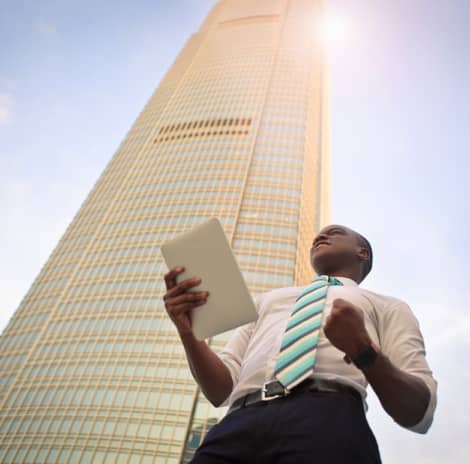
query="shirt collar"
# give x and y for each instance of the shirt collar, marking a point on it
(346, 281)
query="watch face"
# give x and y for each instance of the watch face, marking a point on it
(365, 358)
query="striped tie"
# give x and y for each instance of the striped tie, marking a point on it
(296, 358)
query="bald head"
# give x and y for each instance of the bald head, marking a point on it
(340, 251)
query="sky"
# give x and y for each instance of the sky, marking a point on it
(75, 75)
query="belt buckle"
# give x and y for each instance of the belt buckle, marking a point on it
(273, 390)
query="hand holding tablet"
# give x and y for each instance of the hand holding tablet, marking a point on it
(180, 302)
(206, 290)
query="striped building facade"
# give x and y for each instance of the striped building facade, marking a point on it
(91, 368)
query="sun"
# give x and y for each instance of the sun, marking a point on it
(333, 29)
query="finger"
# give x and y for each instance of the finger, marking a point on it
(170, 277)
(327, 324)
(186, 298)
(341, 306)
(340, 303)
(182, 287)
(185, 307)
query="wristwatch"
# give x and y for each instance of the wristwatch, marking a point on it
(365, 358)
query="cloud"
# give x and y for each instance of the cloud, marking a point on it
(6, 105)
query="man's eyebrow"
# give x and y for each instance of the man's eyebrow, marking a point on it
(332, 229)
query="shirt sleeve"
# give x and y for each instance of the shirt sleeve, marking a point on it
(234, 350)
(402, 342)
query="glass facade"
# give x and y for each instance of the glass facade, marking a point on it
(91, 368)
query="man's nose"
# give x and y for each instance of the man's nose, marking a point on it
(319, 237)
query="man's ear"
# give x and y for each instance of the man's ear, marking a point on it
(363, 253)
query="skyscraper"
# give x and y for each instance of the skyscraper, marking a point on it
(91, 368)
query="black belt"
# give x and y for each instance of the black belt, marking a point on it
(274, 389)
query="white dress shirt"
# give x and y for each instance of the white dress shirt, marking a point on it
(251, 352)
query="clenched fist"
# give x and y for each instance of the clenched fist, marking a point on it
(346, 330)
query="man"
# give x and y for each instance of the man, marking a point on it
(315, 415)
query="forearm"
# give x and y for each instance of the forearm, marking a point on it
(404, 397)
(208, 370)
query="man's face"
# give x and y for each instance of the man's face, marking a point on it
(335, 246)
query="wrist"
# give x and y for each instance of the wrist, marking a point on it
(360, 344)
(367, 357)
(186, 334)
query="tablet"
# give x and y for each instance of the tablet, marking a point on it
(205, 252)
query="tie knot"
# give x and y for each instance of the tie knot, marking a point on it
(328, 279)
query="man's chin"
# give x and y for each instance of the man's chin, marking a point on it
(322, 263)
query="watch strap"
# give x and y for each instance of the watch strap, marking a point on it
(365, 358)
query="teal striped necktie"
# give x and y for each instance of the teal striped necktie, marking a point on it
(297, 355)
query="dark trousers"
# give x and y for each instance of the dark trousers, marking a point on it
(302, 428)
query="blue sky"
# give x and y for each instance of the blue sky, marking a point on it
(75, 75)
